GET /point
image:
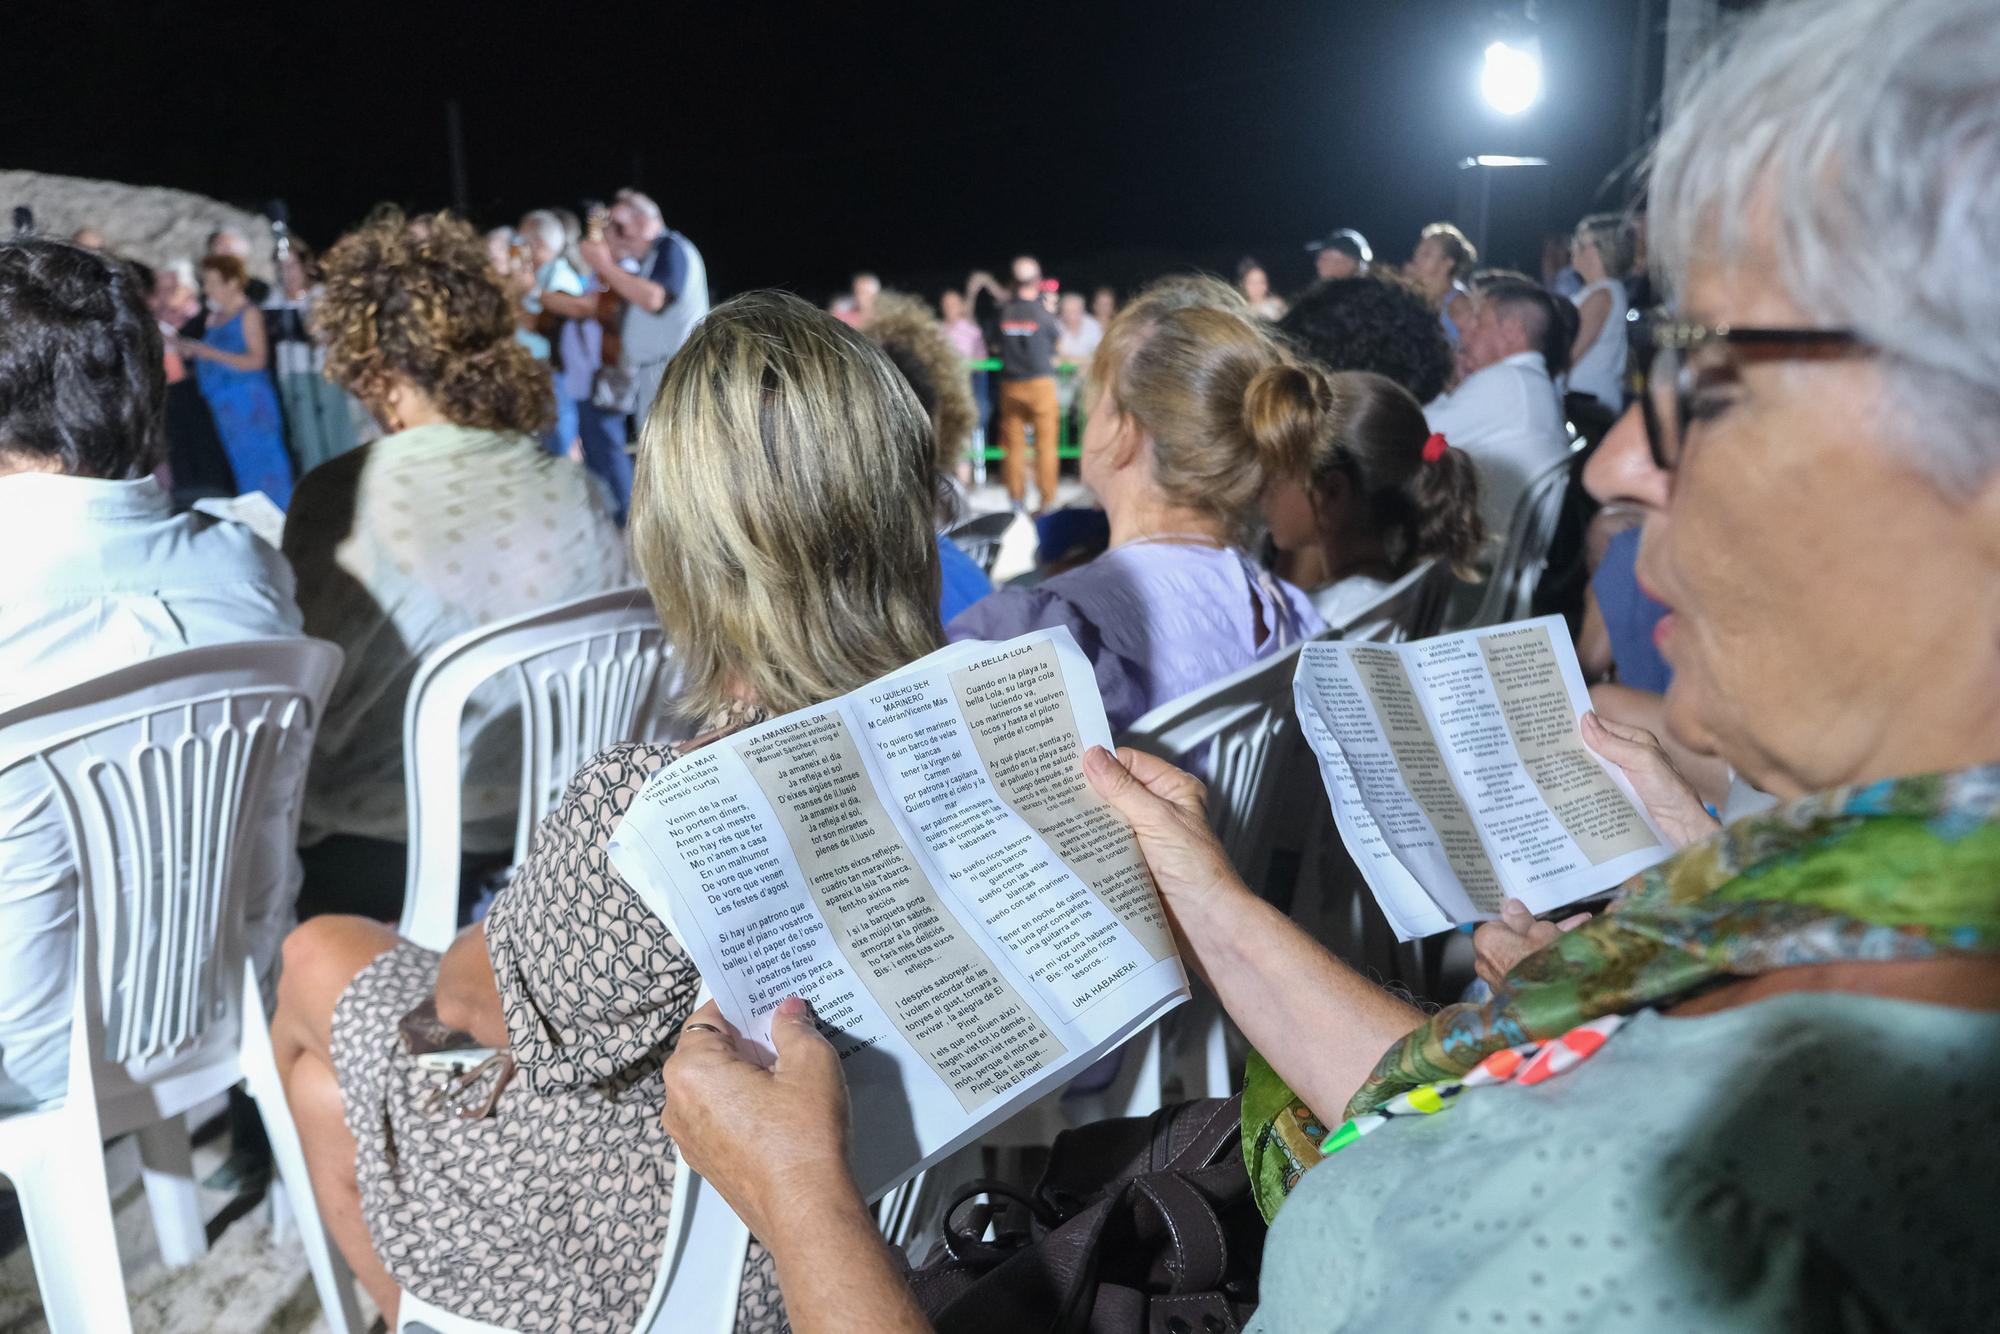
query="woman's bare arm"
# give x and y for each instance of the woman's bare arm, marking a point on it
(1596, 309)
(1320, 1024)
(256, 354)
(468, 996)
(1708, 775)
(789, 1184)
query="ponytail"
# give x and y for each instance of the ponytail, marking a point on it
(1285, 410)
(1421, 494)
(1444, 492)
(1209, 383)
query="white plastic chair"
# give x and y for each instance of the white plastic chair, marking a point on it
(705, 1242)
(1510, 589)
(588, 674)
(161, 771)
(980, 537)
(1246, 725)
(1411, 608)
(896, 1212)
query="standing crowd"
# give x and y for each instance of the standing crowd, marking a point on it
(1789, 528)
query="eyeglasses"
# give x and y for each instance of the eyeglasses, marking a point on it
(1684, 370)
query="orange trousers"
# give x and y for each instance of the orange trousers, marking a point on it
(1024, 404)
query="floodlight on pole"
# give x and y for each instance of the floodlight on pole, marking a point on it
(1511, 78)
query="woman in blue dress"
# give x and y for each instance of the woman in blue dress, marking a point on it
(232, 363)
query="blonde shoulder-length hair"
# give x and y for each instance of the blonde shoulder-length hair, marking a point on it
(781, 509)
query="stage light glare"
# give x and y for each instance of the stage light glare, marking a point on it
(1512, 77)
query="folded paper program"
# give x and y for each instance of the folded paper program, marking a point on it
(922, 860)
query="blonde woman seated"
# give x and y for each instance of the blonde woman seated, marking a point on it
(782, 520)
(1378, 494)
(1196, 407)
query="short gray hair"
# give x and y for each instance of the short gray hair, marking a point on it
(643, 202)
(548, 227)
(1870, 134)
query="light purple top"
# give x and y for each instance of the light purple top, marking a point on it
(1156, 619)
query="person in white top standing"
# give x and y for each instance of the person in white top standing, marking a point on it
(1077, 337)
(1505, 413)
(98, 572)
(1079, 334)
(1602, 255)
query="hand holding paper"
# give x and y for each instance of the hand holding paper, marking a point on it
(924, 862)
(1669, 798)
(799, 1105)
(1459, 777)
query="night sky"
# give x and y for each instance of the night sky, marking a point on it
(795, 143)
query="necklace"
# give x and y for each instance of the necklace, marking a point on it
(1177, 539)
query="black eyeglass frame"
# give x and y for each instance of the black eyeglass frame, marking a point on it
(1666, 334)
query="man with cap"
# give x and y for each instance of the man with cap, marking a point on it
(1341, 253)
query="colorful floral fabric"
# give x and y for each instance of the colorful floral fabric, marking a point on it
(1902, 869)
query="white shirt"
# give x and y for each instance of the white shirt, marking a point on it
(412, 541)
(1508, 418)
(1079, 345)
(1600, 371)
(94, 576)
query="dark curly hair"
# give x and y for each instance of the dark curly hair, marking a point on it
(1375, 322)
(82, 379)
(905, 329)
(417, 300)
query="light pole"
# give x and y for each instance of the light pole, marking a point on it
(1502, 198)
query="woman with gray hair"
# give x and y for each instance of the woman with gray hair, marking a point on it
(1601, 251)
(554, 275)
(1757, 1093)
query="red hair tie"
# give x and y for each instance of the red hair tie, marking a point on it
(1434, 448)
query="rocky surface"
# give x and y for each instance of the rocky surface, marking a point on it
(151, 223)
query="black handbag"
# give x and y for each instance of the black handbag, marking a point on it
(1144, 1225)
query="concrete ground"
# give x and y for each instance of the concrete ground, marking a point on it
(246, 1284)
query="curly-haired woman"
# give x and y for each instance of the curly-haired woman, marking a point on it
(1376, 322)
(921, 348)
(454, 519)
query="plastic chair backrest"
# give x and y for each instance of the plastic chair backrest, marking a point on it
(1245, 721)
(1510, 588)
(701, 1255)
(1411, 608)
(160, 770)
(586, 675)
(980, 537)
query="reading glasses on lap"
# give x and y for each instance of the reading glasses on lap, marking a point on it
(1685, 370)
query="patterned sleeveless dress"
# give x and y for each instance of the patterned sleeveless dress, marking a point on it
(548, 1214)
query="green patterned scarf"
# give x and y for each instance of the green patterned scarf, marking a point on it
(1905, 869)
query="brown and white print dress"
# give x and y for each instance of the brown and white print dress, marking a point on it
(548, 1214)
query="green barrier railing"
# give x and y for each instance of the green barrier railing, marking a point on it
(1066, 446)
